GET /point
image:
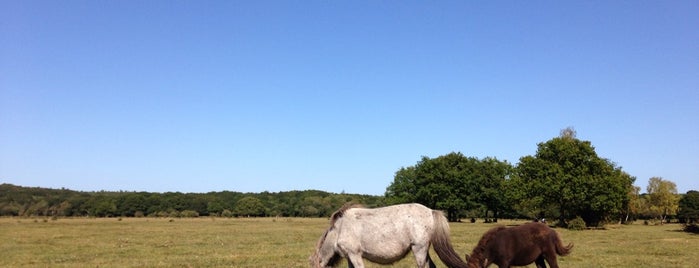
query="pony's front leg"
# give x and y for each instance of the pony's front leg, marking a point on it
(355, 261)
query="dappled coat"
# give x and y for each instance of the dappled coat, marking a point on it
(385, 235)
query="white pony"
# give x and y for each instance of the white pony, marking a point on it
(385, 235)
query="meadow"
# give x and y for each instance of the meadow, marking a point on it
(287, 242)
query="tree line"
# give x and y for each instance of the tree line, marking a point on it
(36, 201)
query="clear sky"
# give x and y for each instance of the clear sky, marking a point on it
(251, 96)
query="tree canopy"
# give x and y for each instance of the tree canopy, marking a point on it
(452, 182)
(689, 207)
(662, 197)
(567, 177)
(35, 201)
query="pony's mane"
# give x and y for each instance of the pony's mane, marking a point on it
(489, 235)
(341, 212)
(477, 254)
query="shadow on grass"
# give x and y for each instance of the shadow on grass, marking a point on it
(690, 229)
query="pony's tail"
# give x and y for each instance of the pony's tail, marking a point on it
(442, 243)
(562, 250)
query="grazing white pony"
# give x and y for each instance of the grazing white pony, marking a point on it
(385, 235)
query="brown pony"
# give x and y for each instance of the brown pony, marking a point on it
(519, 246)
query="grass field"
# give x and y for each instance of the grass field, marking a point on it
(287, 242)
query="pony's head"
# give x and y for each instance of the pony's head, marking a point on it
(476, 261)
(325, 254)
(479, 257)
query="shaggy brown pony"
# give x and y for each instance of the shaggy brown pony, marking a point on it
(518, 246)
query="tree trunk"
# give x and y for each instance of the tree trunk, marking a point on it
(452, 215)
(623, 218)
(562, 218)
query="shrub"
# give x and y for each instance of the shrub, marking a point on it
(227, 213)
(577, 224)
(189, 214)
(691, 228)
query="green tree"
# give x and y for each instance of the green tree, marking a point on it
(39, 208)
(128, 204)
(404, 186)
(566, 173)
(689, 207)
(662, 197)
(102, 205)
(451, 182)
(249, 206)
(437, 183)
(62, 209)
(491, 184)
(215, 207)
(314, 206)
(635, 204)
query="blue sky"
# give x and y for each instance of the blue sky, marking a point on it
(250, 96)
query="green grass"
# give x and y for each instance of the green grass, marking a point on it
(287, 242)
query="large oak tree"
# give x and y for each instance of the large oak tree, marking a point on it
(451, 182)
(567, 173)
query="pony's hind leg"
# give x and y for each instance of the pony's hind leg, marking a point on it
(540, 263)
(430, 263)
(422, 256)
(551, 259)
